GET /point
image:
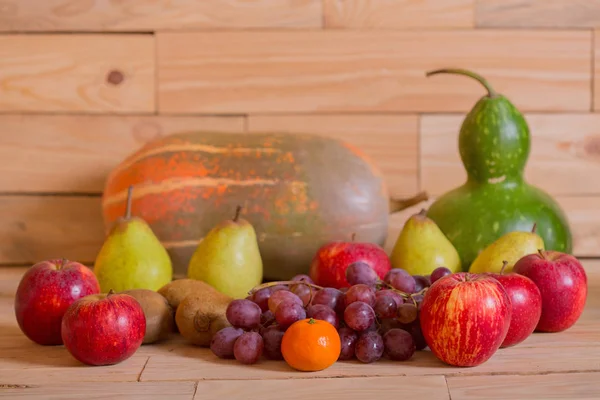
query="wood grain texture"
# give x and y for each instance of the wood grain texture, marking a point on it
(141, 15)
(69, 73)
(556, 386)
(353, 71)
(423, 387)
(596, 72)
(564, 157)
(582, 213)
(391, 141)
(537, 13)
(398, 14)
(75, 153)
(102, 391)
(35, 228)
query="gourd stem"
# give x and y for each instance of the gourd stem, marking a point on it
(458, 71)
(401, 204)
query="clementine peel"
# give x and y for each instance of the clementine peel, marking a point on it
(311, 345)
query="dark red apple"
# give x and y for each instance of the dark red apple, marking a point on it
(45, 292)
(328, 267)
(464, 318)
(104, 329)
(526, 304)
(563, 284)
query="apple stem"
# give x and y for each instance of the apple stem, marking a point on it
(534, 227)
(63, 262)
(275, 283)
(128, 208)
(504, 264)
(238, 210)
(353, 237)
(542, 254)
(110, 292)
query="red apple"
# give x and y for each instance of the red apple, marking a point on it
(526, 304)
(45, 292)
(465, 318)
(563, 284)
(104, 329)
(328, 267)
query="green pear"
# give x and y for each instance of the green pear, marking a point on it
(422, 247)
(132, 257)
(228, 258)
(509, 247)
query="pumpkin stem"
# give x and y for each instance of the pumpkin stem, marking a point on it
(401, 204)
(504, 264)
(534, 227)
(128, 208)
(470, 74)
(238, 210)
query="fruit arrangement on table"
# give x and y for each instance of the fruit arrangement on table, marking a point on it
(267, 275)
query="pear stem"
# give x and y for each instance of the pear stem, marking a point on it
(534, 227)
(238, 210)
(458, 71)
(401, 204)
(422, 213)
(504, 264)
(128, 208)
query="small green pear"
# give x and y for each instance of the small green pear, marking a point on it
(422, 247)
(132, 257)
(228, 258)
(509, 247)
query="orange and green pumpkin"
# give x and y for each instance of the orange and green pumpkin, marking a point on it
(299, 191)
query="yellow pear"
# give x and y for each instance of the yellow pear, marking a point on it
(228, 258)
(510, 247)
(422, 247)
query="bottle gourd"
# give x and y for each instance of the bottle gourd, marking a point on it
(494, 145)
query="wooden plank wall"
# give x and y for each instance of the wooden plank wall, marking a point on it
(84, 83)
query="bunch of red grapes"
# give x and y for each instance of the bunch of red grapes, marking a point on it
(374, 318)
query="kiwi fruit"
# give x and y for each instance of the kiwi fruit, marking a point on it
(177, 290)
(159, 314)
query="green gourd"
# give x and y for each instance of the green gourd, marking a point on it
(494, 146)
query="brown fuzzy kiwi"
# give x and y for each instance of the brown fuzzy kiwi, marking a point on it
(177, 290)
(201, 315)
(159, 314)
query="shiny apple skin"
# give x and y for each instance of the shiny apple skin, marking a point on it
(45, 292)
(465, 318)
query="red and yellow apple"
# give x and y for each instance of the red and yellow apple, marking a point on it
(563, 285)
(45, 292)
(465, 318)
(328, 267)
(104, 329)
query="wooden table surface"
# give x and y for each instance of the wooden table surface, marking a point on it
(562, 365)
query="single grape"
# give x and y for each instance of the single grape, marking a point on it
(304, 292)
(248, 347)
(222, 342)
(390, 323)
(385, 307)
(407, 313)
(421, 282)
(348, 339)
(322, 312)
(415, 331)
(389, 292)
(267, 318)
(359, 316)
(330, 297)
(399, 345)
(362, 293)
(369, 347)
(280, 296)
(288, 312)
(272, 337)
(401, 280)
(261, 297)
(302, 278)
(242, 313)
(360, 272)
(438, 273)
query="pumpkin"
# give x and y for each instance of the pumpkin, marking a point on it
(299, 191)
